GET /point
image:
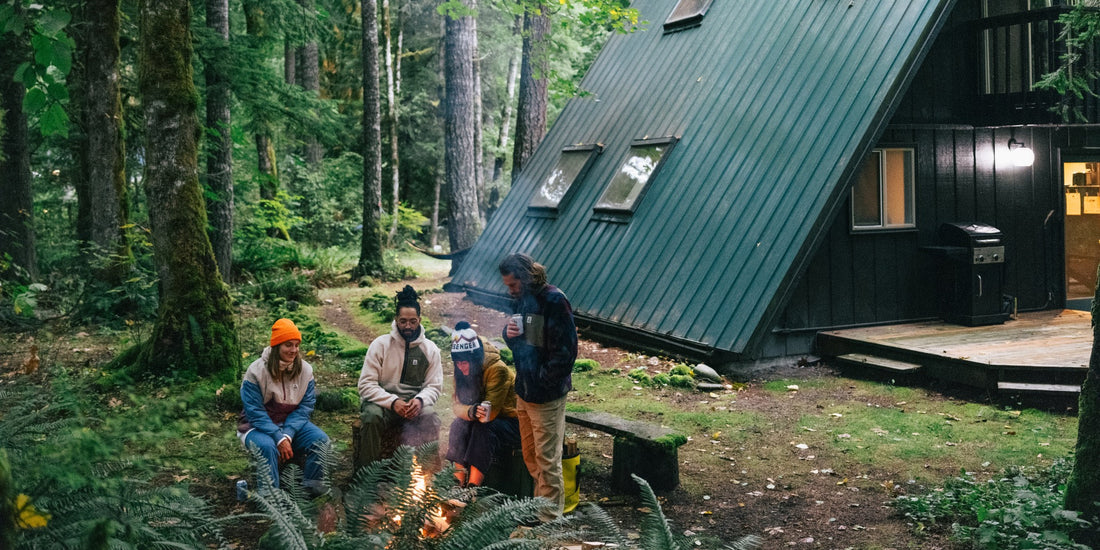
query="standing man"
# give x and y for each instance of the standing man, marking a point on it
(401, 380)
(544, 345)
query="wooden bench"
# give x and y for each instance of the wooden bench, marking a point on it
(647, 450)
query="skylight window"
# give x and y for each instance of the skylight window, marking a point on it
(555, 189)
(687, 14)
(632, 179)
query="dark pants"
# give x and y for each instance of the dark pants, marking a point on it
(479, 445)
(379, 425)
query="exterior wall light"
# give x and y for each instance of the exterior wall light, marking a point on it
(1021, 154)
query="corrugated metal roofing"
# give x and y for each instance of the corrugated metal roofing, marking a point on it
(774, 103)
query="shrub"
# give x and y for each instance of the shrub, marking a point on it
(682, 370)
(1022, 509)
(681, 381)
(640, 376)
(508, 357)
(585, 365)
(662, 379)
(338, 400)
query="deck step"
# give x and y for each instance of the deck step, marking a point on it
(1037, 388)
(879, 362)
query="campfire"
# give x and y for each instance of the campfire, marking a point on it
(438, 520)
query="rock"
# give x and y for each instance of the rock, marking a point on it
(704, 372)
(709, 387)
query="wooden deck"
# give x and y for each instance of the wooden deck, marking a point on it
(1041, 351)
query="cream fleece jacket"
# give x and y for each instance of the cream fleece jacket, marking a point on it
(380, 379)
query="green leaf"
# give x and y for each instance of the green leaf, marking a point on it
(57, 92)
(13, 24)
(53, 21)
(43, 50)
(55, 122)
(34, 100)
(62, 56)
(23, 74)
(6, 15)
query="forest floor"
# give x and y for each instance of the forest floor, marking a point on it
(803, 456)
(743, 470)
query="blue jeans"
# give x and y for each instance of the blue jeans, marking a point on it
(302, 443)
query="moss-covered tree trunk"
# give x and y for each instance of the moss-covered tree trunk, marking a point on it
(370, 251)
(100, 180)
(195, 330)
(219, 158)
(460, 111)
(1083, 490)
(16, 208)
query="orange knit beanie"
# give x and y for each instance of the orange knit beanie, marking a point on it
(284, 330)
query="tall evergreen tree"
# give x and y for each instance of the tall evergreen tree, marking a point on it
(464, 225)
(391, 57)
(309, 78)
(195, 330)
(100, 177)
(266, 166)
(533, 90)
(370, 252)
(16, 208)
(219, 157)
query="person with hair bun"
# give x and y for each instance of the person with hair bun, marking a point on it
(279, 393)
(401, 380)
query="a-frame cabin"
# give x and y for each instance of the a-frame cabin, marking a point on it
(742, 175)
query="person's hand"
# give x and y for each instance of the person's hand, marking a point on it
(512, 330)
(400, 407)
(412, 410)
(482, 413)
(285, 452)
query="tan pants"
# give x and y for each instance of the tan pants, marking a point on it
(542, 429)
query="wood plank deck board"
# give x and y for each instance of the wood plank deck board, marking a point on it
(1037, 342)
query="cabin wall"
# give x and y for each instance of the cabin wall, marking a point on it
(885, 277)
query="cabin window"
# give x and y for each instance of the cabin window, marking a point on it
(630, 182)
(686, 14)
(882, 197)
(1017, 46)
(555, 189)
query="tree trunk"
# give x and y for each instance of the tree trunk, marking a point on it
(370, 253)
(17, 208)
(219, 159)
(267, 172)
(195, 332)
(1084, 482)
(479, 153)
(309, 73)
(102, 205)
(531, 111)
(391, 95)
(506, 111)
(435, 207)
(463, 225)
(290, 62)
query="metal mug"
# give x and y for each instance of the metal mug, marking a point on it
(518, 318)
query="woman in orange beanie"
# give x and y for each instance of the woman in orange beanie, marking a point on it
(279, 394)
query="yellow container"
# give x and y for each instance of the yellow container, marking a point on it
(569, 476)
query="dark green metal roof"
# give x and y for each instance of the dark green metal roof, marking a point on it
(774, 102)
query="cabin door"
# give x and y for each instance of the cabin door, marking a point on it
(1082, 195)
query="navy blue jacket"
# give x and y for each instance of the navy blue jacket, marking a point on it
(545, 352)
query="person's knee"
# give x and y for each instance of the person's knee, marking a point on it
(371, 414)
